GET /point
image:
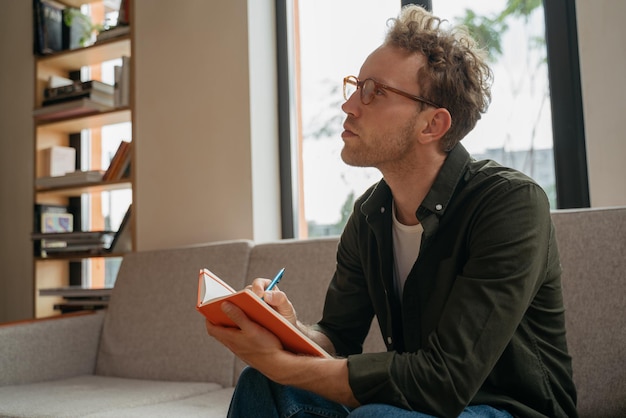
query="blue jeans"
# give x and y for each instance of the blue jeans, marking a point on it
(257, 396)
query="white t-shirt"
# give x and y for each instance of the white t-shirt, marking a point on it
(406, 247)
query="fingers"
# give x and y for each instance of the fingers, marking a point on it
(258, 286)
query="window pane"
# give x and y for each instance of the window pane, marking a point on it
(517, 129)
(335, 38)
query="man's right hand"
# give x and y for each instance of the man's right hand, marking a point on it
(275, 298)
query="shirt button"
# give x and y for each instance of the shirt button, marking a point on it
(382, 209)
(438, 206)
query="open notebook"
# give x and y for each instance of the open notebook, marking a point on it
(212, 291)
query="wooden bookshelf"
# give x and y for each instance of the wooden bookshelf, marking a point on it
(54, 271)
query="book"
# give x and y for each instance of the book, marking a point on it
(79, 297)
(48, 26)
(117, 76)
(118, 162)
(57, 222)
(58, 81)
(58, 160)
(66, 307)
(58, 243)
(124, 84)
(213, 291)
(78, 292)
(122, 241)
(123, 17)
(70, 292)
(78, 237)
(70, 179)
(41, 209)
(124, 170)
(106, 99)
(81, 106)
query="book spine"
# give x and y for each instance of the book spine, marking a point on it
(51, 15)
(117, 94)
(125, 82)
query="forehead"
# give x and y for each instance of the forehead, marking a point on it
(389, 64)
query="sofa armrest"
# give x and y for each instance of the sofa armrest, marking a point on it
(49, 349)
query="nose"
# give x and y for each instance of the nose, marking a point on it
(351, 106)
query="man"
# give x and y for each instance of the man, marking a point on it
(457, 260)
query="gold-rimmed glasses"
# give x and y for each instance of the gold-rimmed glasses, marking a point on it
(369, 87)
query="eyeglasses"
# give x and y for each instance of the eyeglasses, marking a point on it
(369, 88)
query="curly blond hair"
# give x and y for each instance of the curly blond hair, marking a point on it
(456, 75)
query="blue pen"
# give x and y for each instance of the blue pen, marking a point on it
(276, 279)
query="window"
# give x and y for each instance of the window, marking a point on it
(517, 131)
(104, 210)
(319, 60)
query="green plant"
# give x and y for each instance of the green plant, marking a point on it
(74, 18)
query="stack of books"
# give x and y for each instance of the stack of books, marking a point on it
(76, 298)
(95, 90)
(55, 236)
(75, 99)
(65, 243)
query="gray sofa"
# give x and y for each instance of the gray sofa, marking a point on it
(148, 354)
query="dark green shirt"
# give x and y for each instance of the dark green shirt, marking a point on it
(481, 319)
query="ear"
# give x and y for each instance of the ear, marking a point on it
(439, 122)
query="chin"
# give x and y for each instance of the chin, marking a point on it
(352, 161)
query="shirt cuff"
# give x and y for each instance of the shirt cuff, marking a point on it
(370, 379)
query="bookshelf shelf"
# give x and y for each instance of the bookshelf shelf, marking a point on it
(89, 55)
(75, 124)
(79, 189)
(77, 256)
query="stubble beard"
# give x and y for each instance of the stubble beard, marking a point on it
(379, 150)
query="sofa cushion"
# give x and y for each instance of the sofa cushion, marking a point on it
(592, 245)
(207, 405)
(48, 349)
(152, 330)
(86, 396)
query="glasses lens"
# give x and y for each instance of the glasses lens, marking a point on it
(349, 87)
(367, 91)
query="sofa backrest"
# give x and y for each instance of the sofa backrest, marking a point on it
(592, 245)
(152, 330)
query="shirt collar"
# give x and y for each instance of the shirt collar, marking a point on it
(378, 202)
(451, 172)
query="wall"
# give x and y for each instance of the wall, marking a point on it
(16, 160)
(200, 126)
(601, 35)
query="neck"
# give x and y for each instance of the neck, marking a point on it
(410, 186)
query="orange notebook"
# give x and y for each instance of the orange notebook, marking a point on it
(212, 291)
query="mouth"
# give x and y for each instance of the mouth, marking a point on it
(348, 132)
